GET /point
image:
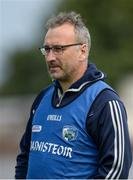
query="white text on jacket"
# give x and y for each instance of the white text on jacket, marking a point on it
(51, 148)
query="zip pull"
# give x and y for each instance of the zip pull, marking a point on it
(61, 97)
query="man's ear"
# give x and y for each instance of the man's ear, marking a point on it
(84, 52)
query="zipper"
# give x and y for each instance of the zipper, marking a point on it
(61, 97)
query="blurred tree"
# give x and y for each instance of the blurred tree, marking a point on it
(111, 29)
(28, 73)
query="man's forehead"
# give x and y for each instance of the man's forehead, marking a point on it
(64, 28)
(63, 32)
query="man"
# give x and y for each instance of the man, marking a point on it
(78, 125)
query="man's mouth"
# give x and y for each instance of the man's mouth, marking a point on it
(54, 68)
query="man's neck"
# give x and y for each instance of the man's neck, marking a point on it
(67, 84)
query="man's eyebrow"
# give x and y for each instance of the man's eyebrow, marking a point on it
(56, 45)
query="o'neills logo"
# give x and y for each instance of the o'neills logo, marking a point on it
(54, 117)
(56, 149)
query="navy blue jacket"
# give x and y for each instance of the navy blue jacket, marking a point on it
(106, 123)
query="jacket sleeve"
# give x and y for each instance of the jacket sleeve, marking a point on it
(23, 156)
(108, 128)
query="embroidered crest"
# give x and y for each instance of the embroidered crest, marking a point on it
(69, 133)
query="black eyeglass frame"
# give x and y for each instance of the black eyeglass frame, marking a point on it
(46, 49)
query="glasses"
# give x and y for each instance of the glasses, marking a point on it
(56, 49)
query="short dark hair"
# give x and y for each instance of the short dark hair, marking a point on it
(82, 32)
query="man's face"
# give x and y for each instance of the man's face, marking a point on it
(65, 65)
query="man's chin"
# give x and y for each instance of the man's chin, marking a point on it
(55, 76)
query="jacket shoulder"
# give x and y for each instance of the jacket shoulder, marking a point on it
(103, 97)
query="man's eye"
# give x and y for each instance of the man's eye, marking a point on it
(47, 49)
(57, 49)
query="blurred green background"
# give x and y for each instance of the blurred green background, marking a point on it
(24, 72)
